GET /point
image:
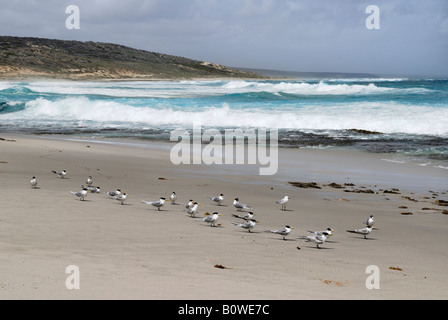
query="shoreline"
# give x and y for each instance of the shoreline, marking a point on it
(134, 251)
(388, 170)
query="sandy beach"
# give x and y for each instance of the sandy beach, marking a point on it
(134, 251)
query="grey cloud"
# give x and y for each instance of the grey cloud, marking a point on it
(321, 35)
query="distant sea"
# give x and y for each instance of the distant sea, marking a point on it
(399, 116)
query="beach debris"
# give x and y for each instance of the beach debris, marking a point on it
(396, 268)
(162, 179)
(407, 213)
(410, 199)
(4, 162)
(331, 282)
(220, 266)
(343, 199)
(402, 207)
(431, 209)
(445, 212)
(305, 185)
(7, 140)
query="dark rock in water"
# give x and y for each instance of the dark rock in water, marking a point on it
(391, 191)
(442, 203)
(360, 131)
(336, 185)
(361, 191)
(305, 185)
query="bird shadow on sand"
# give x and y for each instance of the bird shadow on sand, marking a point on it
(212, 227)
(320, 248)
(362, 238)
(284, 240)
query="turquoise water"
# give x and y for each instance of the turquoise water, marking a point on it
(402, 115)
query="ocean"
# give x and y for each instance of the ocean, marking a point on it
(407, 118)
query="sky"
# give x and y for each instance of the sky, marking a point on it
(289, 35)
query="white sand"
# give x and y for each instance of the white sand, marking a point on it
(135, 252)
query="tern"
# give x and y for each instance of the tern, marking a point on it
(249, 225)
(283, 232)
(370, 222)
(158, 204)
(317, 239)
(240, 206)
(121, 198)
(81, 194)
(33, 183)
(193, 210)
(189, 205)
(318, 233)
(218, 199)
(364, 231)
(89, 181)
(211, 219)
(60, 174)
(248, 216)
(92, 189)
(283, 202)
(173, 198)
(113, 194)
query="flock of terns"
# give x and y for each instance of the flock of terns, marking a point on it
(191, 208)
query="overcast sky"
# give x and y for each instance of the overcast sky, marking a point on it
(290, 35)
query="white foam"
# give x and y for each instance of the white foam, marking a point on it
(5, 86)
(181, 89)
(381, 117)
